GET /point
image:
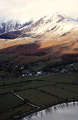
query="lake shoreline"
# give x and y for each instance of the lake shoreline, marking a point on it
(39, 110)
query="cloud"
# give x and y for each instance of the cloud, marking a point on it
(34, 9)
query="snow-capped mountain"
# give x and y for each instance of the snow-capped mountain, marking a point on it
(9, 25)
(48, 38)
(55, 24)
(76, 19)
(12, 25)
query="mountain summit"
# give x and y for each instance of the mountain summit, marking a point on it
(54, 24)
(57, 24)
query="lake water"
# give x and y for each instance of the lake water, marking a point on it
(59, 112)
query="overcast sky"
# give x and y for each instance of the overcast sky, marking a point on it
(35, 9)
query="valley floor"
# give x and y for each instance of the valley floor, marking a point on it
(22, 96)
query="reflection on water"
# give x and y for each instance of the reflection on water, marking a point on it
(65, 111)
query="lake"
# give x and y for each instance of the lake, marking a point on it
(63, 111)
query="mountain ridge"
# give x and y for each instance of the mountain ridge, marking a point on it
(48, 38)
(46, 24)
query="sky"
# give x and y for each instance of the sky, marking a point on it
(25, 10)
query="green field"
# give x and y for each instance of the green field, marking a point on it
(43, 91)
(38, 98)
(9, 101)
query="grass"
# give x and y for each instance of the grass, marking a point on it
(38, 66)
(16, 112)
(59, 77)
(8, 88)
(72, 88)
(8, 102)
(38, 98)
(64, 94)
(13, 81)
(34, 84)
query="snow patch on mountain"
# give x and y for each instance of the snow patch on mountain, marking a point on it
(9, 25)
(56, 23)
(49, 25)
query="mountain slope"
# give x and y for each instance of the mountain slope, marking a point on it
(12, 29)
(48, 38)
(56, 24)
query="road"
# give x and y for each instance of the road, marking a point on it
(24, 100)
